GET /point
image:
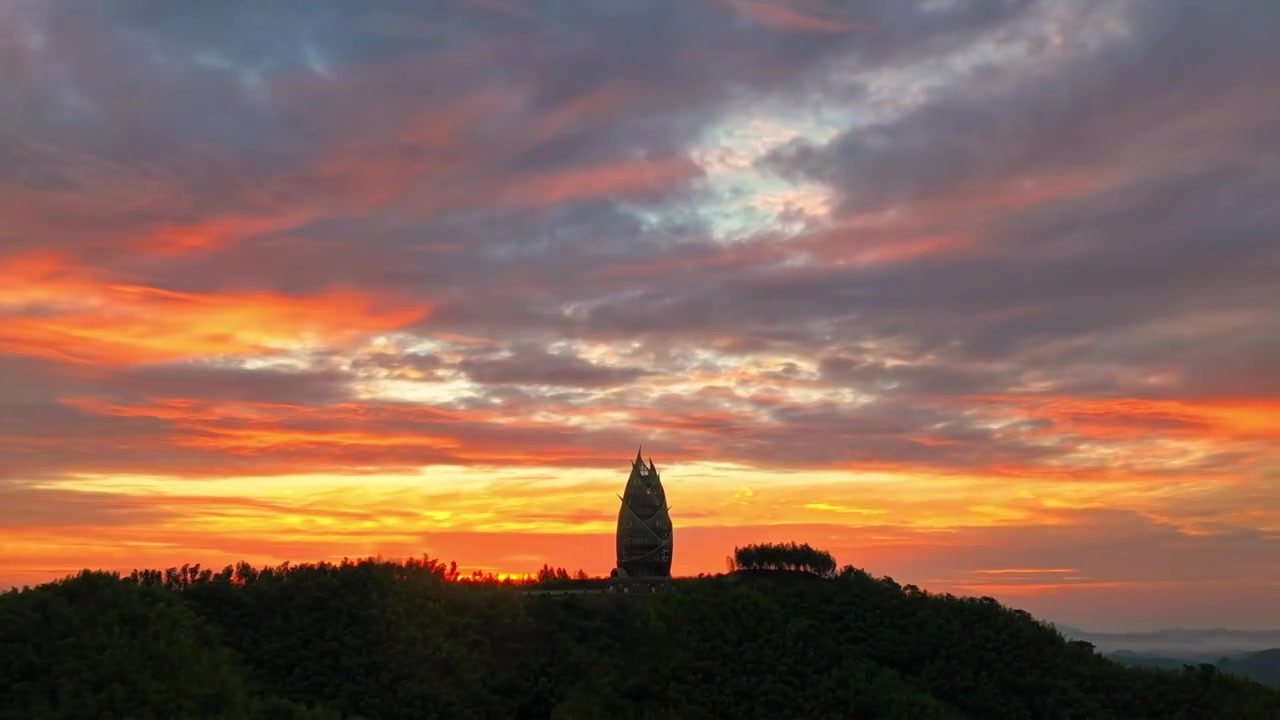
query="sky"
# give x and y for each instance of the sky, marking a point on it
(982, 295)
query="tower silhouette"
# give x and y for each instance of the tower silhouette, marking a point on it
(644, 524)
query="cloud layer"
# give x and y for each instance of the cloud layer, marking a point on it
(961, 273)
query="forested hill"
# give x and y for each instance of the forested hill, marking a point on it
(383, 641)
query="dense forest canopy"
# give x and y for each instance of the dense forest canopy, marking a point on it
(382, 641)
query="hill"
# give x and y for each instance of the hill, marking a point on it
(383, 641)
(1136, 659)
(1263, 666)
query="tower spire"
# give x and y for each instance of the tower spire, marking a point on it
(639, 460)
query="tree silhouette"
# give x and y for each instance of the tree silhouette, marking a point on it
(784, 556)
(414, 639)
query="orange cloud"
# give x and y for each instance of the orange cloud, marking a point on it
(619, 178)
(1014, 193)
(1025, 571)
(1021, 589)
(590, 109)
(292, 438)
(259, 439)
(51, 308)
(1221, 418)
(442, 154)
(846, 248)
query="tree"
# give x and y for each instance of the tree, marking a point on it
(784, 556)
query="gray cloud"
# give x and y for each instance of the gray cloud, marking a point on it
(1100, 102)
(534, 366)
(401, 365)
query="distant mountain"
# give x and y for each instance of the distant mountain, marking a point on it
(1144, 660)
(1262, 666)
(1198, 645)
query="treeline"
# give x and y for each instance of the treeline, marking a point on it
(384, 641)
(784, 556)
(548, 574)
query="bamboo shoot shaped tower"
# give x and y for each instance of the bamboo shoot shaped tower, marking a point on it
(644, 524)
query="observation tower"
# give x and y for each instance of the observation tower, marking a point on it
(644, 525)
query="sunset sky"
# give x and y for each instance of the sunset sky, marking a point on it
(983, 295)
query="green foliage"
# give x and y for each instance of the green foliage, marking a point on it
(383, 641)
(784, 556)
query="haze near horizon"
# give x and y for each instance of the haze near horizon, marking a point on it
(978, 295)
